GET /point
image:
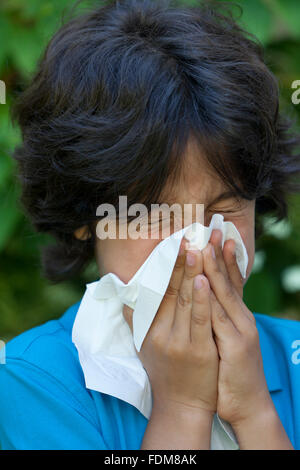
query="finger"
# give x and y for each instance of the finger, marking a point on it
(225, 291)
(165, 314)
(201, 328)
(224, 331)
(232, 266)
(222, 325)
(182, 317)
(128, 314)
(178, 270)
(216, 241)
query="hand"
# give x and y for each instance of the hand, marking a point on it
(242, 387)
(178, 352)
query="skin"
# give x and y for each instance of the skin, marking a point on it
(198, 185)
(203, 338)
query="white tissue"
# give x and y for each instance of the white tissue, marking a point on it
(105, 344)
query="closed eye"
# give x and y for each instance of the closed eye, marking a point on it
(224, 211)
(235, 208)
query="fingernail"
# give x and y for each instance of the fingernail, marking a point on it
(198, 283)
(190, 258)
(213, 254)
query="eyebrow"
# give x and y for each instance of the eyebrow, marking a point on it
(221, 197)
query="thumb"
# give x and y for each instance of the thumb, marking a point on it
(127, 314)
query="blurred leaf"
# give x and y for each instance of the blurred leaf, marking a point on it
(9, 135)
(257, 18)
(9, 213)
(289, 11)
(261, 293)
(5, 34)
(24, 47)
(5, 169)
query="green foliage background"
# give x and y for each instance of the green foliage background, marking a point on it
(26, 299)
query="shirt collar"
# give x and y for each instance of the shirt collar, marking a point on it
(269, 355)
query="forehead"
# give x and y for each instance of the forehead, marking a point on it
(196, 182)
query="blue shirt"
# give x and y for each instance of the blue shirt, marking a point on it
(44, 403)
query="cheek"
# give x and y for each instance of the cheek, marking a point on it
(123, 257)
(136, 252)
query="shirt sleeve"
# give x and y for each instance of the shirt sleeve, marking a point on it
(38, 412)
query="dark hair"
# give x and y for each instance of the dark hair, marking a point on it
(116, 95)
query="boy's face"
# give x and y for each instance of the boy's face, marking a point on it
(124, 257)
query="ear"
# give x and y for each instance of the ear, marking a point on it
(82, 233)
